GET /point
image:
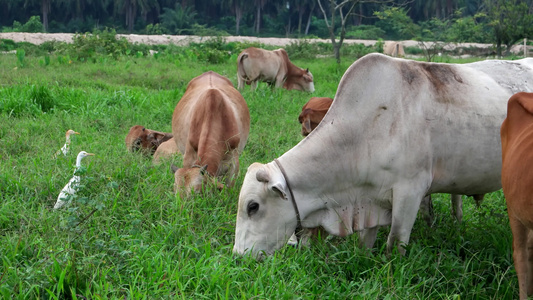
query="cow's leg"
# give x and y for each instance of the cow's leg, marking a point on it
(405, 204)
(280, 80)
(367, 237)
(233, 171)
(520, 255)
(240, 82)
(457, 207)
(426, 210)
(530, 263)
(253, 85)
(478, 198)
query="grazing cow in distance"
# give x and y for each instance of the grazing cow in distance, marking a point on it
(274, 67)
(398, 130)
(394, 49)
(146, 140)
(210, 124)
(517, 181)
(165, 150)
(313, 112)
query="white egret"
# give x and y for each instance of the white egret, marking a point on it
(73, 185)
(65, 149)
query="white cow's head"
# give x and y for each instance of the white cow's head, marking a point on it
(266, 217)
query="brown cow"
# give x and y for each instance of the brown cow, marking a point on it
(394, 49)
(146, 140)
(210, 124)
(517, 182)
(313, 112)
(274, 67)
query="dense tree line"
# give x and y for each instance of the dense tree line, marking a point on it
(501, 22)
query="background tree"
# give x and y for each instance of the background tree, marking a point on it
(342, 9)
(510, 20)
(178, 19)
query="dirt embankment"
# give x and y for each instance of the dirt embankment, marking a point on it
(39, 38)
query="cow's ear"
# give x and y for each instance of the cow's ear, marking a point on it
(203, 170)
(157, 137)
(278, 189)
(174, 168)
(307, 70)
(307, 125)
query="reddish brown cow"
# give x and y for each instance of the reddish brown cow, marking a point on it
(146, 140)
(313, 112)
(517, 182)
(210, 124)
(274, 67)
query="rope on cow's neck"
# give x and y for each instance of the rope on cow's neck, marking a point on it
(299, 224)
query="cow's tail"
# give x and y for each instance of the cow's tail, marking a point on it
(241, 74)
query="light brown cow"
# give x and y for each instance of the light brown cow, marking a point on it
(274, 67)
(517, 182)
(210, 124)
(394, 49)
(313, 112)
(145, 140)
(165, 151)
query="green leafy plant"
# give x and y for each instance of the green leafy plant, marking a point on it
(21, 54)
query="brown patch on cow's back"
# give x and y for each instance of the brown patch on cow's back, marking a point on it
(442, 77)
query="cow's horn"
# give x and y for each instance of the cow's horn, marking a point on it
(262, 176)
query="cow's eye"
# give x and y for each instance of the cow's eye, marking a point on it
(253, 207)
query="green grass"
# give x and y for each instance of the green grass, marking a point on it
(128, 236)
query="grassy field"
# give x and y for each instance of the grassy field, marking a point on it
(128, 236)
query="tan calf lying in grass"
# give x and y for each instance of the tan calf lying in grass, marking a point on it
(146, 140)
(517, 182)
(210, 124)
(165, 151)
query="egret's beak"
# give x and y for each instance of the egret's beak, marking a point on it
(76, 132)
(89, 154)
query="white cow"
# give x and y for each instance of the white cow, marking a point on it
(398, 130)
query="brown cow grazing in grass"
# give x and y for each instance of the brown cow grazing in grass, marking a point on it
(313, 112)
(165, 151)
(210, 124)
(517, 182)
(274, 67)
(145, 140)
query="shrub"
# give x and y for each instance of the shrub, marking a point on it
(42, 97)
(21, 54)
(365, 32)
(155, 29)
(7, 45)
(90, 45)
(33, 25)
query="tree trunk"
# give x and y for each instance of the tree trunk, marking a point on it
(130, 14)
(309, 19)
(300, 17)
(238, 17)
(45, 6)
(337, 51)
(288, 28)
(258, 19)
